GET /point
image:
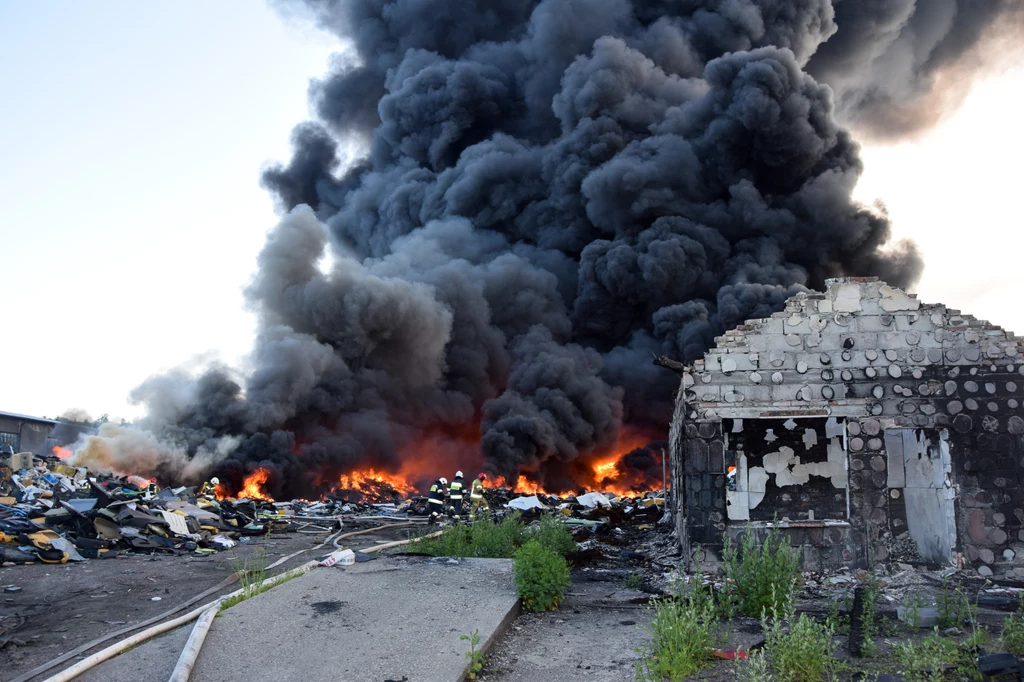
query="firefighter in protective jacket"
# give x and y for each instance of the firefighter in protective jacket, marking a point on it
(435, 501)
(476, 497)
(455, 493)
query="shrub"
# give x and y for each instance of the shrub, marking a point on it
(541, 577)
(634, 581)
(1013, 632)
(754, 668)
(760, 577)
(554, 535)
(684, 630)
(953, 605)
(803, 652)
(925, 661)
(489, 540)
(869, 626)
(483, 539)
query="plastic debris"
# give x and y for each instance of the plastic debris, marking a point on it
(593, 500)
(342, 557)
(525, 503)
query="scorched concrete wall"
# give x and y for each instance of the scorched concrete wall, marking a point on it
(874, 428)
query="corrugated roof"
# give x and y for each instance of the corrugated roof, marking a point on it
(25, 417)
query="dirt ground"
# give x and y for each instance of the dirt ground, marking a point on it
(600, 627)
(60, 607)
(593, 636)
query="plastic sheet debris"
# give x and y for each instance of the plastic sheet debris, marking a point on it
(526, 503)
(223, 541)
(927, 616)
(593, 500)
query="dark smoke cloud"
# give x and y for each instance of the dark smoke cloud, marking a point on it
(897, 66)
(550, 192)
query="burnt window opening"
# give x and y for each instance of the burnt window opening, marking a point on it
(786, 468)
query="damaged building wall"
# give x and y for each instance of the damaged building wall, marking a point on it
(872, 426)
(24, 433)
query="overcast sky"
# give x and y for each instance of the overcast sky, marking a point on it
(132, 136)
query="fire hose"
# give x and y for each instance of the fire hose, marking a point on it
(111, 651)
(190, 654)
(35, 672)
(188, 657)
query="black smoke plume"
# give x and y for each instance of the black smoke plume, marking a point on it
(549, 192)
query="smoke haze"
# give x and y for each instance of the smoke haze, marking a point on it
(550, 192)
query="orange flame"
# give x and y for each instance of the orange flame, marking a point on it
(606, 469)
(252, 488)
(361, 480)
(63, 453)
(609, 476)
(525, 485)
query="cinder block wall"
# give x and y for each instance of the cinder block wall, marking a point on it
(930, 406)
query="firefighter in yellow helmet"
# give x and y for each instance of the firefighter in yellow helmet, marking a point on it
(456, 491)
(476, 497)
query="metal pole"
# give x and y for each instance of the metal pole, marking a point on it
(664, 479)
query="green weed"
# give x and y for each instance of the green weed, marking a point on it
(953, 605)
(760, 576)
(634, 581)
(554, 535)
(754, 668)
(912, 610)
(541, 576)
(475, 656)
(490, 540)
(253, 578)
(684, 630)
(1013, 632)
(801, 652)
(869, 626)
(480, 539)
(926, 660)
(252, 572)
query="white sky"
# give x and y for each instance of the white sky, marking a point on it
(132, 136)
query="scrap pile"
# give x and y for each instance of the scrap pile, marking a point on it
(610, 531)
(54, 513)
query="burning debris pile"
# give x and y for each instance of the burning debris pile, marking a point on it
(52, 512)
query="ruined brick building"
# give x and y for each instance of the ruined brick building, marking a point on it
(872, 426)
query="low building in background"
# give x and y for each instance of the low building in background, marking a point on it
(24, 433)
(871, 426)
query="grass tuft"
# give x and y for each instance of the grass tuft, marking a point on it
(761, 577)
(489, 540)
(684, 630)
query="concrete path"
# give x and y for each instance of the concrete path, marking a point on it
(395, 618)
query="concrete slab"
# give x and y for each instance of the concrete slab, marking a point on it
(382, 620)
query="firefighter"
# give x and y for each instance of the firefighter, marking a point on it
(435, 502)
(455, 493)
(476, 497)
(210, 487)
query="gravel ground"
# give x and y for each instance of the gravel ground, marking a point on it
(592, 637)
